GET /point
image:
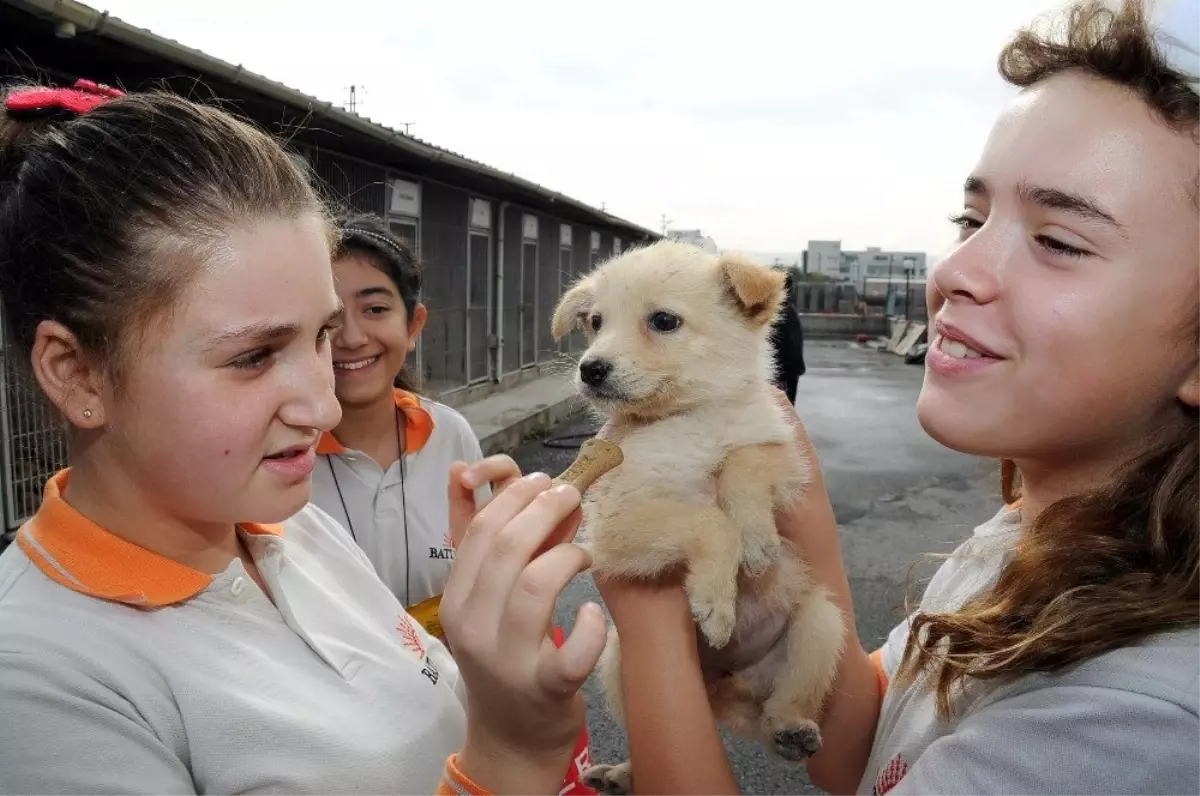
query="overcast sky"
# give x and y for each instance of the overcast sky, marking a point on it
(765, 124)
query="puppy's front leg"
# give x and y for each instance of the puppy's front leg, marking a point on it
(645, 538)
(748, 488)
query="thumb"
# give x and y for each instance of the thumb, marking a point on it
(462, 503)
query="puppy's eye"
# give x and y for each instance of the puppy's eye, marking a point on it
(595, 321)
(664, 322)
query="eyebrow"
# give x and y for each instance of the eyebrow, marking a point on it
(1052, 198)
(366, 292)
(261, 333)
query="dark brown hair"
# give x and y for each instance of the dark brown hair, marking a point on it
(368, 236)
(105, 216)
(1097, 571)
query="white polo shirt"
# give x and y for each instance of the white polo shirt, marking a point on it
(412, 557)
(1124, 721)
(124, 671)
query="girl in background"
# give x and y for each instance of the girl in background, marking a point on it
(385, 470)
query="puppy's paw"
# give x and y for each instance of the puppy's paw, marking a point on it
(612, 780)
(716, 620)
(797, 743)
(760, 554)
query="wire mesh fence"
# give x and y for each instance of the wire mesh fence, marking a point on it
(34, 445)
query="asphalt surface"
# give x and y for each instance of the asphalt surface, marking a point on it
(897, 496)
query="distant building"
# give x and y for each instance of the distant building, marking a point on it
(695, 237)
(827, 258)
(824, 257)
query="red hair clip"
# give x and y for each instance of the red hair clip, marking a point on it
(84, 96)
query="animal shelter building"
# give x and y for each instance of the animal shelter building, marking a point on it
(497, 249)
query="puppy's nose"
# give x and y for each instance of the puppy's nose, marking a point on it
(594, 371)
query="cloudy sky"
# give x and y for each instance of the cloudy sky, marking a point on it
(765, 124)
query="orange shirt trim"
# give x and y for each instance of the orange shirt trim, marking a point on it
(880, 674)
(77, 553)
(418, 427)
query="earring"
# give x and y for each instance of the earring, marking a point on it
(87, 414)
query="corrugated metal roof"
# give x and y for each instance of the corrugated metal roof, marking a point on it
(89, 20)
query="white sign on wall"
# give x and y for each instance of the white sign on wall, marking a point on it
(404, 198)
(595, 241)
(564, 236)
(529, 227)
(481, 213)
(616, 245)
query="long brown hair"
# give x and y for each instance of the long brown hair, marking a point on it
(1103, 570)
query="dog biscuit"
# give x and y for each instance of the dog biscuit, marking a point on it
(596, 457)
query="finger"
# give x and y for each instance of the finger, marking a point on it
(500, 470)
(565, 532)
(562, 671)
(531, 602)
(512, 547)
(462, 503)
(475, 548)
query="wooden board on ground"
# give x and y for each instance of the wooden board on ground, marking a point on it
(898, 329)
(916, 331)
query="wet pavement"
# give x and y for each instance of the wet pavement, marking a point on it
(897, 495)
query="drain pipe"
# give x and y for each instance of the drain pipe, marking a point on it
(498, 358)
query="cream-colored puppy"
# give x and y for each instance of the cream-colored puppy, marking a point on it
(678, 362)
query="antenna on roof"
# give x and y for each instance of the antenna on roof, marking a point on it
(407, 125)
(352, 104)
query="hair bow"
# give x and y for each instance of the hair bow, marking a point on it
(84, 96)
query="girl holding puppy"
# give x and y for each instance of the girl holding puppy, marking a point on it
(1057, 650)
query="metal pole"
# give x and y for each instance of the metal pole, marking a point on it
(907, 294)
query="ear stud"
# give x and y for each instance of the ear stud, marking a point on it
(87, 414)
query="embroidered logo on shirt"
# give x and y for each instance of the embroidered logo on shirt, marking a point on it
(409, 634)
(412, 640)
(891, 775)
(446, 551)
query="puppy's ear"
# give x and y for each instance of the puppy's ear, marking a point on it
(574, 303)
(757, 289)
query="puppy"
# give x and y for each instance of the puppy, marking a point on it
(678, 362)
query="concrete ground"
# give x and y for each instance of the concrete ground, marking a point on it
(897, 495)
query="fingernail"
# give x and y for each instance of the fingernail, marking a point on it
(534, 478)
(594, 609)
(470, 479)
(568, 490)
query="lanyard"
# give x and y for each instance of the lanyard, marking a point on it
(400, 420)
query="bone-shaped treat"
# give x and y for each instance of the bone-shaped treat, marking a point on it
(596, 457)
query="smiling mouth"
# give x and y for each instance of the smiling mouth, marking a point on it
(358, 364)
(961, 350)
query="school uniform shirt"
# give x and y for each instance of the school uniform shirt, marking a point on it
(122, 671)
(401, 517)
(1122, 722)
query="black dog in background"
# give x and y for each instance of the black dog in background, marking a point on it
(787, 336)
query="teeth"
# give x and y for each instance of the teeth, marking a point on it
(956, 349)
(362, 363)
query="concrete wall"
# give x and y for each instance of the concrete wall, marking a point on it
(833, 327)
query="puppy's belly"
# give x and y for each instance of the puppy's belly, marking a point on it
(755, 652)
